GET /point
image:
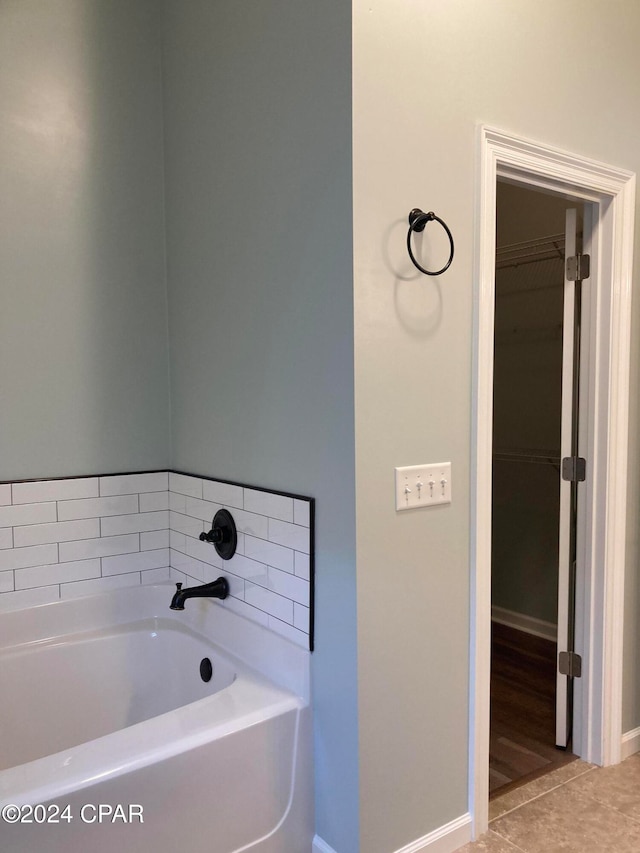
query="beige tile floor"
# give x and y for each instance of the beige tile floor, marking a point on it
(578, 808)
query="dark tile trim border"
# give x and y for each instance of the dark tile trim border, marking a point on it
(91, 476)
(310, 501)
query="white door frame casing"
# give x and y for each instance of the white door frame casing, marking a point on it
(610, 194)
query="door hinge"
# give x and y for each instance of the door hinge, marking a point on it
(570, 663)
(574, 469)
(578, 267)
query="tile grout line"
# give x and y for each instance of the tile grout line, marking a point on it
(542, 794)
(508, 840)
(609, 806)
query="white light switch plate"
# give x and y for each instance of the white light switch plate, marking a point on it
(423, 485)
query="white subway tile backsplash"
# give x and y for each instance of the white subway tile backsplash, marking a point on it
(154, 539)
(290, 535)
(128, 484)
(204, 510)
(223, 493)
(97, 507)
(203, 551)
(153, 501)
(21, 558)
(301, 513)
(73, 537)
(185, 485)
(107, 546)
(176, 576)
(188, 565)
(301, 617)
(92, 587)
(269, 602)
(212, 573)
(185, 524)
(288, 631)
(246, 610)
(29, 598)
(57, 573)
(156, 575)
(236, 585)
(136, 523)
(302, 565)
(273, 531)
(240, 543)
(178, 541)
(57, 531)
(289, 586)
(55, 490)
(251, 523)
(248, 569)
(135, 562)
(177, 502)
(266, 503)
(269, 553)
(38, 513)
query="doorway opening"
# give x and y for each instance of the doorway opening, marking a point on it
(607, 194)
(531, 708)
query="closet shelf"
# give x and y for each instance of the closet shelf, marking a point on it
(534, 457)
(530, 251)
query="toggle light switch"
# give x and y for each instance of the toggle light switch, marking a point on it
(423, 485)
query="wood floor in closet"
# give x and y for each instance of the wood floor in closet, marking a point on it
(523, 686)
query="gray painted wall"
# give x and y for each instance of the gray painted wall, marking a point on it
(258, 188)
(425, 75)
(83, 350)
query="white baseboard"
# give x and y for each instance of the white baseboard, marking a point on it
(320, 846)
(445, 839)
(522, 622)
(630, 743)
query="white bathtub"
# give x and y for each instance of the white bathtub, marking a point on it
(110, 740)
